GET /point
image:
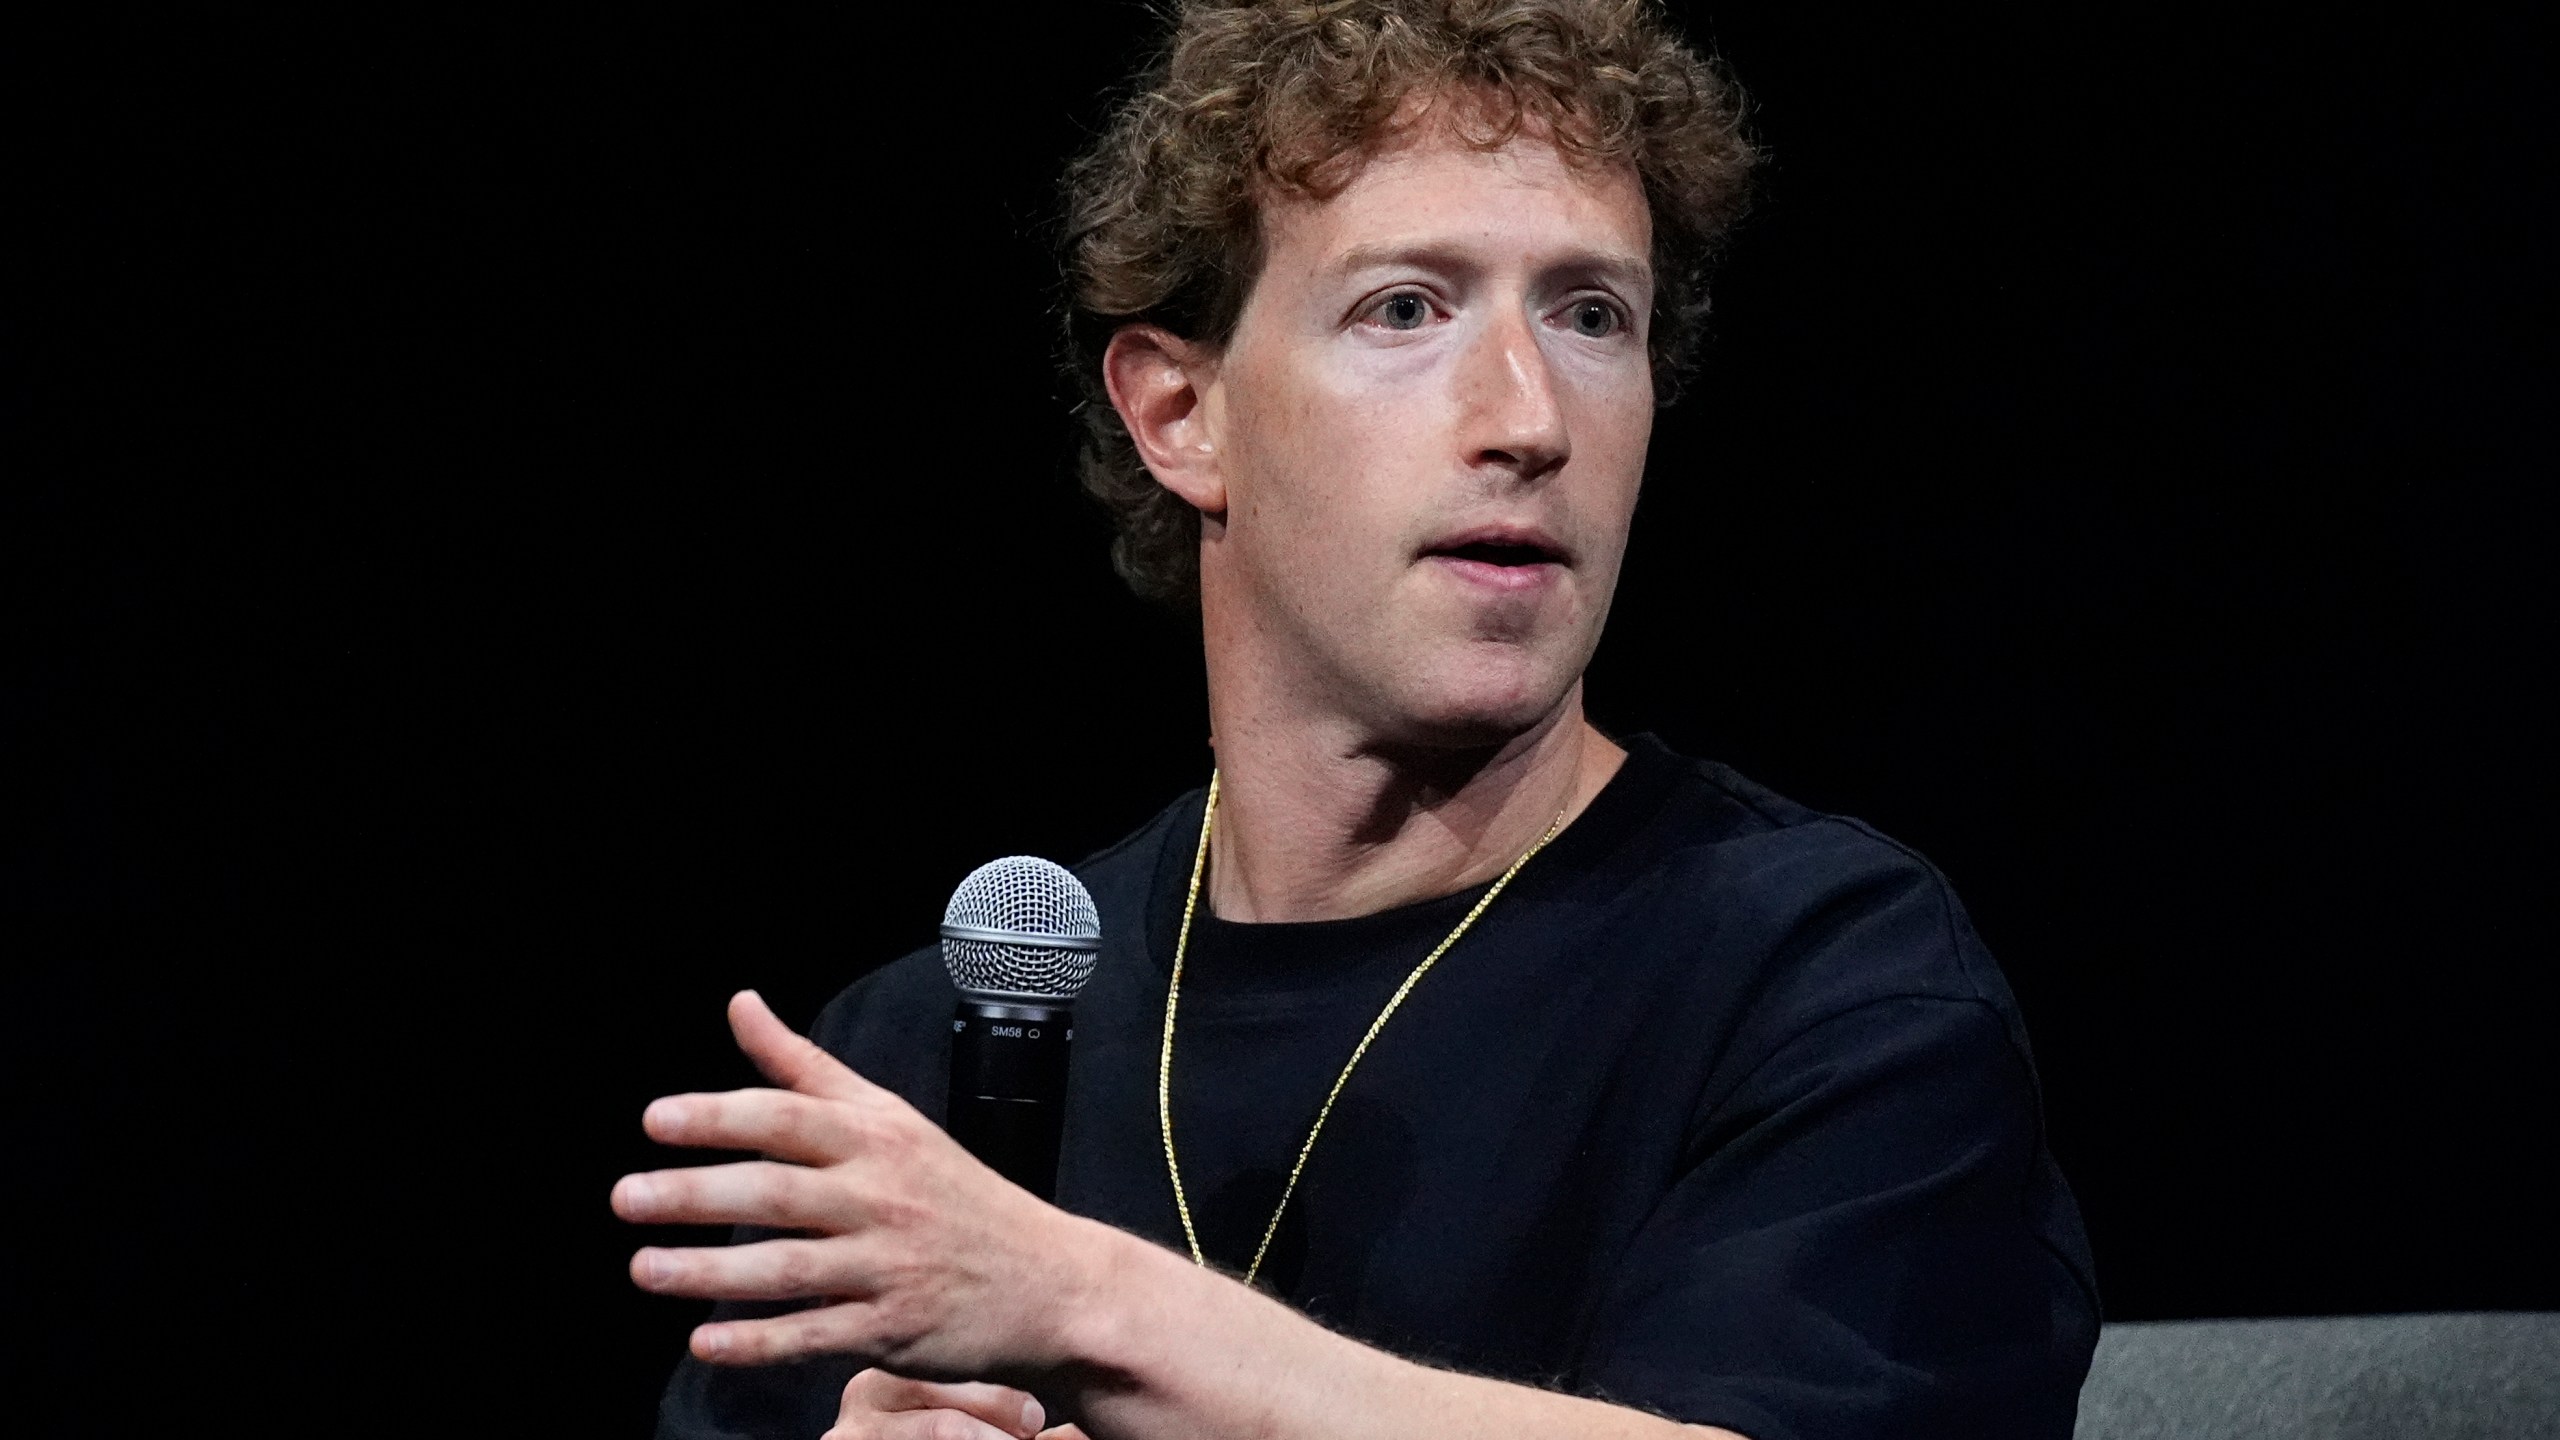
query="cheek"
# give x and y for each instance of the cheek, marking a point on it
(1333, 449)
(1372, 410)
(1610, 416)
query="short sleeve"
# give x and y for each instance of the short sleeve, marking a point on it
(1870, 1240)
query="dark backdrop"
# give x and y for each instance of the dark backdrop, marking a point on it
(513, 533)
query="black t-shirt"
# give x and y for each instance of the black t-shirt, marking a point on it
(1721, 1110)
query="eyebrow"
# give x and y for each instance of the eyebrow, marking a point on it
(1630, 271)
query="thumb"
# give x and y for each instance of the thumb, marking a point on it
(787, 1058)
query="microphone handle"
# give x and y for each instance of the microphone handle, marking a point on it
(1009, 1086)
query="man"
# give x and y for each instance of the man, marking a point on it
(1539, 1085)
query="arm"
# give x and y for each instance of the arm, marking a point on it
(931, 1265)
(1174, 1349)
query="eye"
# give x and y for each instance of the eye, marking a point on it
(1404, 310)
(1597, 319)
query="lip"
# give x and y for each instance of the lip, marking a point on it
(1491, 557)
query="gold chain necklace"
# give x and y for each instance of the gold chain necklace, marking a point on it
(1173, 998)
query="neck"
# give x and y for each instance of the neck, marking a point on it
(1319, 822)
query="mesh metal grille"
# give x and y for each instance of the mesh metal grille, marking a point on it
(1049, 927)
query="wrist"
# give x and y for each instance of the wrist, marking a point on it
(1122, 1298)
(1099, 1279)
(1151, 1343)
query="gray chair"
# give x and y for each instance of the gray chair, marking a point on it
(2357, 1377)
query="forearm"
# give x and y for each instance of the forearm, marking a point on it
(1164, 1350)
(930, 1264)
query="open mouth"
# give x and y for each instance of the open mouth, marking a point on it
(1502, 552)
(1502, 560)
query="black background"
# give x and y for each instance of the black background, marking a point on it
(514, 533)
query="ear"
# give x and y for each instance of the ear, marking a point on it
(1163, 385)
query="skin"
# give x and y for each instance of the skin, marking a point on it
(1411, 370)
(1448, 351)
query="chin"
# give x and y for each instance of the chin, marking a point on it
(1477, 706)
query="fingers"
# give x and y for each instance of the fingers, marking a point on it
(779, 1123)
(849, 1328)
(753, 1192)
(916, 1425)
(764, 1270)
(1007, 1409)
(787, 1058)
(1062, 1432)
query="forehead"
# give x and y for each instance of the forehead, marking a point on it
(1430, 189)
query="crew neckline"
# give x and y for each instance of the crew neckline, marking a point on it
(1312, 952)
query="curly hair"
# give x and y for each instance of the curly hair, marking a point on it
(1249, 99)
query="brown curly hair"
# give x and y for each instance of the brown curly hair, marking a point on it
(1250, 98)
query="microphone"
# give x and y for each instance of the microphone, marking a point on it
(1019, 939)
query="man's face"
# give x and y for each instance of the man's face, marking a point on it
(1431, 422)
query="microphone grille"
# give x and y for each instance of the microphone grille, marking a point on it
(1023, 927)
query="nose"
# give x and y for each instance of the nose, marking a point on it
(1508, 393)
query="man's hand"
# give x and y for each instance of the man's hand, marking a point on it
(882, 1406)
(925, 1259)
(934, 1266)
